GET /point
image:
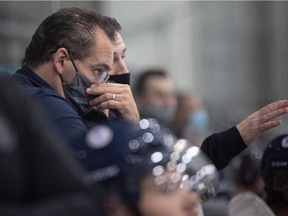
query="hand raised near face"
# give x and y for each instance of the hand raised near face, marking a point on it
(117, 97)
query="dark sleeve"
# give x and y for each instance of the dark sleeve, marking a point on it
(222, 147)
(68, 124)
(62, 115)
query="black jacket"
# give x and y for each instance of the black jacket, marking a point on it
(222, 147)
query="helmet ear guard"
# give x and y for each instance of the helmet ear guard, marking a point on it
(274, 166)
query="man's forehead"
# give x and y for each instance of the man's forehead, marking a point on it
(118, 39)
(156, 80)
(119, 45)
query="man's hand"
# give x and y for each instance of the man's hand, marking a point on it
(115, 96)
(261, 121)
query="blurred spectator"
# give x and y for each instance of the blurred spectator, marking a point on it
(191, 119)
(249, 187)
(249, 204)
(39, 177)
(246, 174)
(155, 96)
(119, 65)
(274, 170)
(145, 170)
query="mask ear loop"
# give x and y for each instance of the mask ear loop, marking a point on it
(76, 69)
(79, 74)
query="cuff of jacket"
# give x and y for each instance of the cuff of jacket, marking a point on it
(222, 147)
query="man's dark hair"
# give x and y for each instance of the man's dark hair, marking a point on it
(70, 28)
(140, 84)
(110, 26)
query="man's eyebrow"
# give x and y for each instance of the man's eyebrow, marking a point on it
(123, 51)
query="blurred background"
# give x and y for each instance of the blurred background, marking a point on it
(231, 53)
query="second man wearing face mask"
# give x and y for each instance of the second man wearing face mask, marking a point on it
(156, 96)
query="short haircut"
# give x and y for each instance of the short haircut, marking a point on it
(70, 28)
(140, 84)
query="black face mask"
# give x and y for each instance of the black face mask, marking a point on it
(75, 92)
(120, 78)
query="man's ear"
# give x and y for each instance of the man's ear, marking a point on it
(59, 58)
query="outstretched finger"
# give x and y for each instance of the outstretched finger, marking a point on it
(274, 106)
(268, 125)
(273, 114)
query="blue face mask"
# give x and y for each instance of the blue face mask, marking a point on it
(198, 119)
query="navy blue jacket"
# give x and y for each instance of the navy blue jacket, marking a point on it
(39, 175)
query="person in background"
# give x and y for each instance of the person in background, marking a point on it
(249, 194)
(155, 96)
(191, 120)
(274, 171)
(119, 64)
(246, 174)
(144, 170)
(39, 175)
(124, 107)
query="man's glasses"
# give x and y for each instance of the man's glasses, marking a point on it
(103, 78)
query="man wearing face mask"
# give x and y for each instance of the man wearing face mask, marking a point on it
(120, 74)
(192, 120)
(123, 106)
(71, 50)
(156, 96)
